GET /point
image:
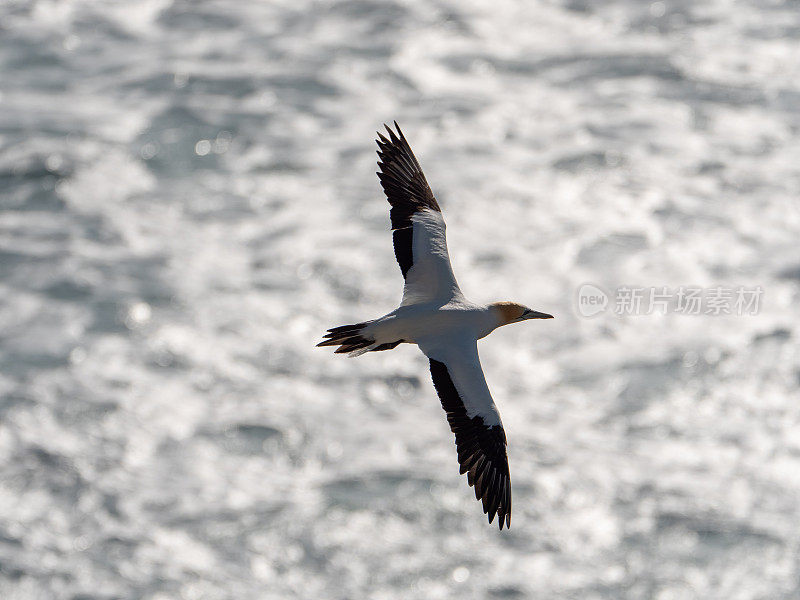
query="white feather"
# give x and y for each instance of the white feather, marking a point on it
(431, 278)
(459, 353)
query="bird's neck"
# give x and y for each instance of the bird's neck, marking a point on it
(492, 318)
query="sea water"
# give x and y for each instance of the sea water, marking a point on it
(188, 200)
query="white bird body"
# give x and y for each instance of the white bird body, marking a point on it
(436, 316)
(414, 322)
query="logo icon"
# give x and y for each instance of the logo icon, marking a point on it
(591, 300)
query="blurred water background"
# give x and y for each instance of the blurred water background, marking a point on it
(188, 199)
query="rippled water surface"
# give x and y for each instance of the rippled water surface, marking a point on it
(188, 199)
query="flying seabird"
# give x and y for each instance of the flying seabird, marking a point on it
(436, 316)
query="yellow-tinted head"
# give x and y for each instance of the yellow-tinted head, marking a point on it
(511, 312)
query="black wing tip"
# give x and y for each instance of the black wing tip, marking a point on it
(395, 139)
(504, 520)
(395, 136)
(481, 450)
(402, 180)
(389, 129)
(382, 136)
(503, 511)
(493, 506)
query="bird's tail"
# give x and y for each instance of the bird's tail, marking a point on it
(353, 340)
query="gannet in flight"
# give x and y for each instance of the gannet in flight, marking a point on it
(436, 316)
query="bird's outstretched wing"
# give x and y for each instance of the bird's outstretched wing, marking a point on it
(420, 245)
(473, 418)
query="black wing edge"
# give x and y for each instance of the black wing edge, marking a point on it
(406, 189)
(402, 179)
(481, 449)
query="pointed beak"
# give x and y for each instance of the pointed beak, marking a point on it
(535, 314)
